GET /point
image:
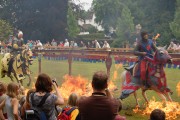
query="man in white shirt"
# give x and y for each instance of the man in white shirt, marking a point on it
(97, 44)
(39, 45)
(66, 44)
(106, 44)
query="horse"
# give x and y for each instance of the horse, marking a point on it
(156, 78)
(20, 66)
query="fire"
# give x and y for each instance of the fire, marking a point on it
(178, 88)
(26, 90)
(172, 109)
(74, 84)
(79, 85)
(117, 66)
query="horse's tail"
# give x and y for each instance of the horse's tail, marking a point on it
(128, 84)
(123, 78)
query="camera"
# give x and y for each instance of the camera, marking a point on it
(29, 111)
(54, 81)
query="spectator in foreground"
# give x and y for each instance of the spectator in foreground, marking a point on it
(100, 105)
(157, 114)
(26, 105)
(11, 103)
(71, 106)
(43, 86)
(2, 98)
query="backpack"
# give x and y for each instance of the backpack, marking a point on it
(34, 114)
(65, 114)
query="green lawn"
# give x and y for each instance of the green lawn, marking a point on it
(57, 69)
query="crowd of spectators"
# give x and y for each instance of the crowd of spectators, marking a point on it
(37, 44)
(174, 47)
(101, 105)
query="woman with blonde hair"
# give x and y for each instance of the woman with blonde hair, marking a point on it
(3, 96)
(11, 102)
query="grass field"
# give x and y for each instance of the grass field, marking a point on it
(57, 69)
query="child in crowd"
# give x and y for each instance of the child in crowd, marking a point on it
(71, 106)
(26, 105)
(11, 102)
(2, 98)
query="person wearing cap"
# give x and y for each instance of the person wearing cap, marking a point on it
(144, 47)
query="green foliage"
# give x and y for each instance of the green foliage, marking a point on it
(5, 30)
(92, 29)
(73, 28)
(175, 25)
(38, 19)
(153, 15)
(125, 28)
(107, 12)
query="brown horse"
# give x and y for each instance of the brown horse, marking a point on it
(156, 78)
(20, 66)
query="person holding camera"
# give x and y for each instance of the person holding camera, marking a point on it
(44, 85)
(100, 105)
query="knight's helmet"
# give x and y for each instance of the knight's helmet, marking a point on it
(20, 34)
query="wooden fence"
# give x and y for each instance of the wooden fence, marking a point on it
(120, 55)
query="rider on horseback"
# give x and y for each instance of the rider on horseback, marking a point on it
(17, 44)
(144, 47)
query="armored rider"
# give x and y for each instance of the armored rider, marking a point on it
(17, 44)
(145, 47)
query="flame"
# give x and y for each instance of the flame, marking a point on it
(172, 109)
(26, 90)
(79, 85)
(178, 88)
(117, 67)
(74, 84)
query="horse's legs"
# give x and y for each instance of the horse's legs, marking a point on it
(29, 80)
(18, 81)
(162, 96)
(144, 95)
(135, 95)
(11, 77)
(168, 96)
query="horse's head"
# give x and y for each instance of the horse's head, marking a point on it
(27, 56)
(162, 56)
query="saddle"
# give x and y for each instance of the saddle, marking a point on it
(135, 70)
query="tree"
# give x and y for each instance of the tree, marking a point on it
(125, 28)
(73, 28)
(5, 30)
(38, 19)
(107, 12)
(175, 25)
(153, 15)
